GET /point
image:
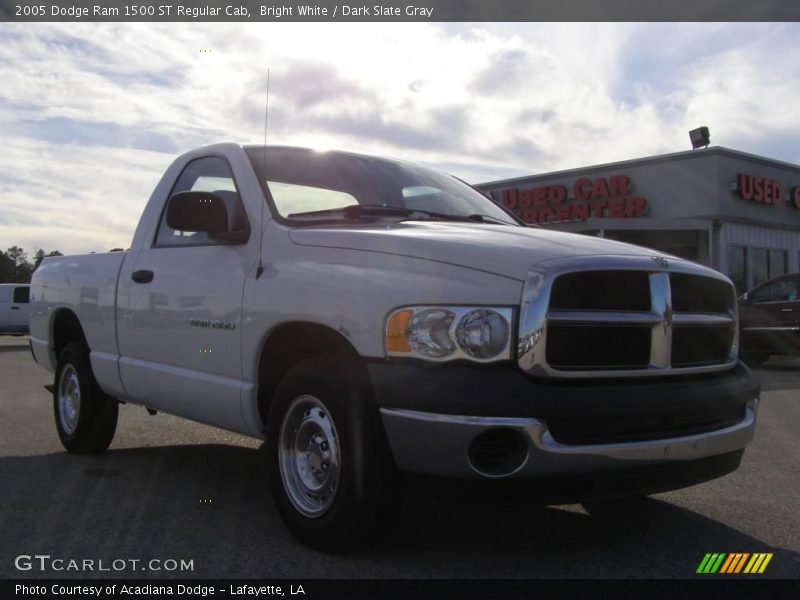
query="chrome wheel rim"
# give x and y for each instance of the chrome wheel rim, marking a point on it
(309, 456)
(69, 399)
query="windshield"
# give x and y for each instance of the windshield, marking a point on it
(307, 185)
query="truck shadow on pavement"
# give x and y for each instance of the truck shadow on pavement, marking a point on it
(779, 374)
(13, 347)
(210, 504)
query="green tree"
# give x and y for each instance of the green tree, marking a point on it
(22, 268)
(6, 268)
(38, 258)
(17, 254)
(15, 266)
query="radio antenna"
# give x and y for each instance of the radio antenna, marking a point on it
(260, 267)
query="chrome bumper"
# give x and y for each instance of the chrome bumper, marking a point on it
(436, 444)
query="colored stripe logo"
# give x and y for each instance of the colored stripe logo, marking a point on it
(734, 563)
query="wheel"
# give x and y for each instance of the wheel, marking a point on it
(86, 417)
(331, 471)
(754, 359)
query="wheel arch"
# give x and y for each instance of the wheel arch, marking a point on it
(66, 328)
(291, 343)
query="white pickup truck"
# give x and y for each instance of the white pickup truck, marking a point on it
(14, 316)
(370, 317)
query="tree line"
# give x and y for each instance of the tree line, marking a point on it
(15, 267)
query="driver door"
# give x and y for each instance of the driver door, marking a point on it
(181, 327)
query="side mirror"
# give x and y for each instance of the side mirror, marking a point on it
(203, 211)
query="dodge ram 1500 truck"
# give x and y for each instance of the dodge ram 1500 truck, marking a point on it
(369, 317)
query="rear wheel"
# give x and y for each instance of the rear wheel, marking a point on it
(86, 417)
(331, 471)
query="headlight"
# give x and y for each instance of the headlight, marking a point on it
(428, 333)
(482, 333)
(440, 333)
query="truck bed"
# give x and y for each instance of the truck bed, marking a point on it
(87, 285)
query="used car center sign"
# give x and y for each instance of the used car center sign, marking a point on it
(764, 190)
(601, 197)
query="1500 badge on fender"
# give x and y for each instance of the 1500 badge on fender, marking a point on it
(212, 324)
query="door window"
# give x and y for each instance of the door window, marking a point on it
(784, 290)
(208, 174)
(22, 295)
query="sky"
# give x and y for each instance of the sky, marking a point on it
(92, 113)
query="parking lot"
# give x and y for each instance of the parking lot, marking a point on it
(172, 489)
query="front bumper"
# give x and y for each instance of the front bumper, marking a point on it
(435, 417)
(435, 444)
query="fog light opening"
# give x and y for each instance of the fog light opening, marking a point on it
(498, 452)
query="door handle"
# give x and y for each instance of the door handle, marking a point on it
(15, 308)
(143, 276)
(787, 310)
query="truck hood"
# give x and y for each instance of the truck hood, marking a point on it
(499, 249)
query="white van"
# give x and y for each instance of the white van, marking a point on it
(14, 303)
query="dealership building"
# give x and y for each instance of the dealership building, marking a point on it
(735, 212)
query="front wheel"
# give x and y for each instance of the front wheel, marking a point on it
(331, 471)
(86, 417)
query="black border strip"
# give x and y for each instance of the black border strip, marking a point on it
(709, 587)
(400, 10)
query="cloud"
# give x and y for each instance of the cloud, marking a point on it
(508, 71)
(306, 85)
(73, 198)
(441, 129)
(62, 130)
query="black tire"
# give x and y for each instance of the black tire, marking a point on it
(359, 493)
(88, 425)
(754, 359)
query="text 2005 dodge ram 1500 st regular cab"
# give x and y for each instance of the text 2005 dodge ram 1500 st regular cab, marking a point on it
(369, 317)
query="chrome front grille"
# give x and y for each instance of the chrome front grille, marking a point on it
(616, 316)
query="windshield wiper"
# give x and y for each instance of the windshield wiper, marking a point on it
(486, 219)
(356, 211)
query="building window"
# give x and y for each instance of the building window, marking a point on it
(768, 263)
(777, 263)
(760, 265)
(738, 267)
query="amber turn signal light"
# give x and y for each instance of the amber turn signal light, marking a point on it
(396, 328)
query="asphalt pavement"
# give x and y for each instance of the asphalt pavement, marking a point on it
(172, 490)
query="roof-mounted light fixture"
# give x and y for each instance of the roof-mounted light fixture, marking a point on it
(700, 137)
